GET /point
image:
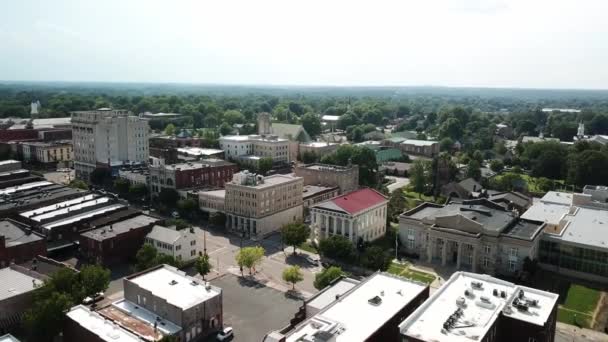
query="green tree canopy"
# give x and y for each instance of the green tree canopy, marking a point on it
(250, 257)
(376, 258)
(336, 247)
(170, 129)
(265, 165)
(327, 276)
(203, 265)
(295, 234)
(312, 124)
(293, 275)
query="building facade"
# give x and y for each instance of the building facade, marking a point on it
(18, 243)
(344, 177)
(47, 152)
(257, 206)
(169, 293)
(180, 244)
(107, 137)
(117, 242)
(212, 173)
(314, 194)
(212, 201)
(16, 295)
(239, 147)
(425, 148)
(475, 235)
(358, 216)
(478, 307)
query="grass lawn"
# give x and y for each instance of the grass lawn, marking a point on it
(568, 317)
(533, 187)
(406, 272)
(582, 299)
(579, 306)
(306, 246)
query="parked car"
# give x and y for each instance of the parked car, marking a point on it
(93, 299)
(312, 260)
(226, 334)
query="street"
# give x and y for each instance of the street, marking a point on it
(399, 183)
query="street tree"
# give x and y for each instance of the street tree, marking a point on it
(44, 321)
(146, 257)
(336, 247)
(170, 129)
(376, 258)
(203, 265)
(250, 257)
(168, 197)
(418, 177)
(293, 275)
(294, 234)
(327, 276)
(474, 170)
(93, 279)
(312, 124)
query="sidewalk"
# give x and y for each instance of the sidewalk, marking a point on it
(566, 332)
(266, 281)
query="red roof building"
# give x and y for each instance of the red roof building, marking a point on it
(360, 214)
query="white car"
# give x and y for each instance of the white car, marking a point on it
(90, 300)
(226, 334)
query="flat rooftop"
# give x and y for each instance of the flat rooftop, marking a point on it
(8, 338)
(329, 295)
(15, 234)
(197, 151)
(419, 142)
(121, 227)
(326, 167)
(13, 189)
(547, 212)
(198, 164)
(475, 301)
(105, 329)
(15, 283)
(83, 216)
(313, 190)
(269, 181)
(66, 207)
(35, 196)
(139, 320)
(354, 317)
(522, 229)
(494, 219)
(213, 193)
(557, 197)
(586, 226)
(175, 286)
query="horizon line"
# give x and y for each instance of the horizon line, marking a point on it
(279, 85)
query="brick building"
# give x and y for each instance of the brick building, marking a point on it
(344, 177)
(18, 243)
(117, 242)
(208, 173)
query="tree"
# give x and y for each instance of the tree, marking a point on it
(122, 186)
(474, 169)
(203, 265)
(93, 279)
(544, 184)
(178, 223)
(327, 276)
(146, 257)
(376, 258)
(451, 128)
(446, 144)
(496, 165)
(418, 177)
(396, 204)
(233, 117)
(265, 165)
(357, 134)
(225, 128)
(186, 206)
(588, 167)
(295, 234)
(336, 247)
(168, 197)
(44, 320)
(250, 257)
(170, 129)
(308, 157)
(79, 184)
(217, 218)
(138, 191)
(100, 176)
(312, 124)
(293, 275)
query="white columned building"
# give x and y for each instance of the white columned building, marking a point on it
(357, 214)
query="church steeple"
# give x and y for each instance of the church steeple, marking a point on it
(581, 130)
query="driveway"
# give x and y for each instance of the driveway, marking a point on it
(399, 182)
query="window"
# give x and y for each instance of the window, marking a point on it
(513, 252)
(486, 262)
(193, 242)
(512, 265)
(531, 339)
(193, 252)
(410, 243)
(487, 249)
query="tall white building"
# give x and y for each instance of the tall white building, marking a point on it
(107, 137)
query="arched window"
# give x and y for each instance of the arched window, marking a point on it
(169, 181)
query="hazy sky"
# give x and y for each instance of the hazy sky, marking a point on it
(511, 43)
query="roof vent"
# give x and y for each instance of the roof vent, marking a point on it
(173, 282)
(375, 301)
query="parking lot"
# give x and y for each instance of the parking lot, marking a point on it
(253, 309)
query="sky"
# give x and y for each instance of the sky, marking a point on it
(481, 43)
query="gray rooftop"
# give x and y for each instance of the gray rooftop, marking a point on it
(15, 283)
(16, 234)
(121, 227)
(313, 190)
(164, 234)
